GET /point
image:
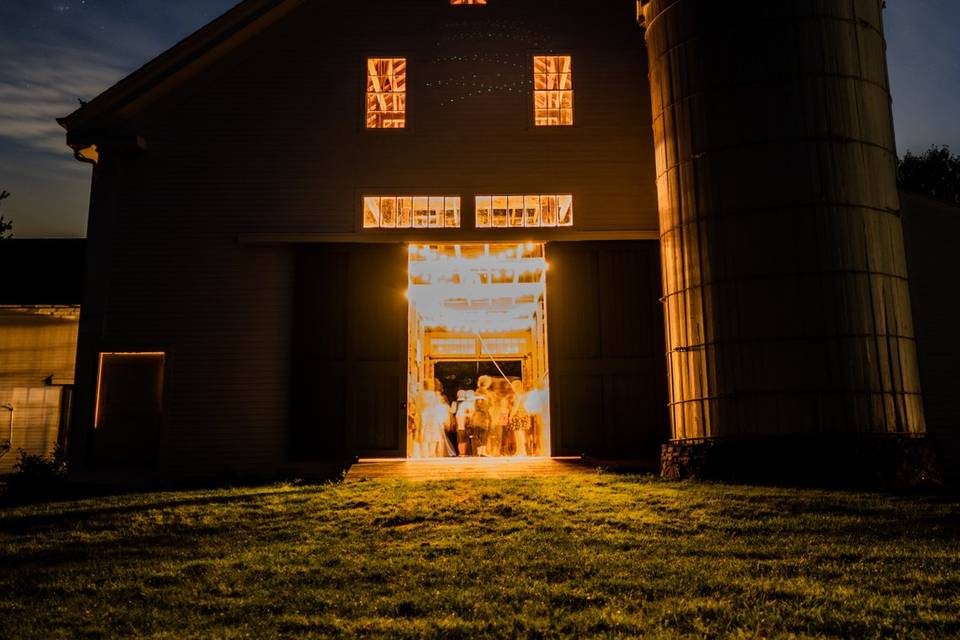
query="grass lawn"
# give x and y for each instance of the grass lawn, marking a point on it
(580, 556)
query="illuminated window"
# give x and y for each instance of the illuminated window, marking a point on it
(454, 346)
(524, 211)
(468, 1)
(506, 346)
(553, 90)
(386, 93)
(411, 212)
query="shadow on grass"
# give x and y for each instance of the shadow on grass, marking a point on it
(135, 549)
(170, 499)
(16, 492)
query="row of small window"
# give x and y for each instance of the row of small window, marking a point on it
(387, 92)
(443, 212)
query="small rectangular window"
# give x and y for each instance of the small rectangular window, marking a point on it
(500, 211)
(553, 91)
(411, 212)
(532, 211)
(529, 211)
(484, 211)
(386, 93)
(468, 1)
(436, 212)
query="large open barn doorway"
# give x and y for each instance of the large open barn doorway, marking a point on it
(478, 380)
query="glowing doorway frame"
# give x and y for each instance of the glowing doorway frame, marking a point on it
(521, 269)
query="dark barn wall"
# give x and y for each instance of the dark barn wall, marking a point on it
(931, 229)
(348, 387)
(276, 135)
(607, 370)
(270, 140)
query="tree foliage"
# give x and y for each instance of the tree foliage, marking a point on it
(5, 225)
(936, 173)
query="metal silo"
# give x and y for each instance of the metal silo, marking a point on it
(791, 347)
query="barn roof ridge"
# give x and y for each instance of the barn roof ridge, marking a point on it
(248, 17)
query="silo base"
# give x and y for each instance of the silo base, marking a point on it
(867, 461)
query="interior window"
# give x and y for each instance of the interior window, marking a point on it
(519, 211)
(406, 212)
(386, 93)
(553, 91)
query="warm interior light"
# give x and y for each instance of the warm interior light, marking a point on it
(553, 90)
(468, 1)
(405, 212)
(89, 154)
(479, 309)
(530, 211)
(386, 93)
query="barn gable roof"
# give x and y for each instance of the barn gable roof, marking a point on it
(169, 69)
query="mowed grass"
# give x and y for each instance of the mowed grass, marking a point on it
(602, 556)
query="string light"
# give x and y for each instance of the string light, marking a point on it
(483, 289)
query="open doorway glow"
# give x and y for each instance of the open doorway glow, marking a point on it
(478, 375)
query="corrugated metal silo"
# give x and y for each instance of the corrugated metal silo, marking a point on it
(785, 283)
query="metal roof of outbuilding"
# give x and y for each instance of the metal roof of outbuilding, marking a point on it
(42, 272)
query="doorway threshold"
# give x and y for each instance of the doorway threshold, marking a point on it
(465, 468)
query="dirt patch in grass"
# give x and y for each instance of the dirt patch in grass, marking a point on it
(578, 556)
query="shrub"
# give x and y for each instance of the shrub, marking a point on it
(38, 476)
(935, 173)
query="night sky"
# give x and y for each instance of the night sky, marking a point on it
(53, 52)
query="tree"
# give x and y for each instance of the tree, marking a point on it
(935, 172)
(5, 225)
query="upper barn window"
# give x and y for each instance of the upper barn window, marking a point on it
(386, 93)
(405, 212)
(524, 211)
(553, 90)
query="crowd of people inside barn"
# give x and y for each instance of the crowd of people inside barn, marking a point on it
(499, 418)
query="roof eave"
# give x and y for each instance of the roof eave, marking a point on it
(166, 66)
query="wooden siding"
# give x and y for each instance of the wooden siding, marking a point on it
(348, 352)
(607, 369)
(37, 349)
(270, 140)
(931, 229)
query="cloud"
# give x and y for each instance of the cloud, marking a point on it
(51, 54)
(79, 53)
(37, 89)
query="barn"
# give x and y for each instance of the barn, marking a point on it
(451, 228)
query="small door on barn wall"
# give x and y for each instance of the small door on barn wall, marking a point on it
(129, 408)
(349, 349)
(607, 365)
